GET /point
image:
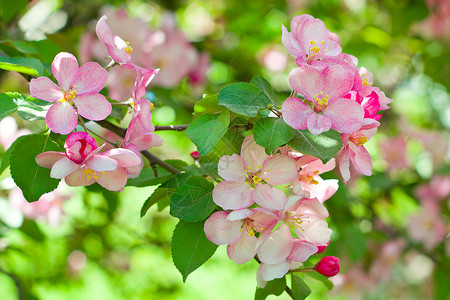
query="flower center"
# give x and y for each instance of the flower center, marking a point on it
(91, 174)
(295, 221)
(320, 101)
(128, 49)
(358, 139)
(365, 81)
(314, 50)
(69, 95)
(254, 178)
(308, 178)
(251, 227)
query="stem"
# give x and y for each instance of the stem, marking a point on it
(82, 123)
(121, 104)
(172, 127)
(308, 269)
(293, 94)
(109, 142)
(289, 292)
(111, 64)
(110, 126)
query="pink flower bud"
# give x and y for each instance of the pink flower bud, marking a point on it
(79, 145)
(328, 266)
(195, 155)
(322, 248)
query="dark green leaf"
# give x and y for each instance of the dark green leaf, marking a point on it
(10, 9)
(324, 146)
(7, 155)
(33, 180)
(243, 98)
(23, 47)
(272, 132)
(441, 279)
(192, 201)
(30, 228)
(328, 284)
(299, 288)
(208, 105)
(26, 65)
(32, 109)
(265, 86)
(274, 287)
(207, 130)
(157, 195)
(8, 104)
(190, 247)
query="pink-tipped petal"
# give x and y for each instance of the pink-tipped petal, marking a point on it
(344, 164)
(101, 163)
(49, 158)
(252, 154)
(113, 180)
(91, 78)
(290, 43)
(221, 231)
(302, 251)
(345, 115)
(78, 178)
(231, 168)
(318, 123)
(232, 195)
(270, 272)
(44, 89)
(124, 157)
(337, 81)
(277, 246)
(295, 113)
(243, 250)
(147, 141)
(240, 214)
(62, 118)
(65, 69)
(63, 167)
(362, 161)
(315, 231)
(269, 197)
(93, 106)
(279, 169)
(306, 80)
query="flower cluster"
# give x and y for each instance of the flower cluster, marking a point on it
(78, 95)
(283, 226)
(337, 94)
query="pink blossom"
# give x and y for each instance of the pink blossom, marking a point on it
(323, 107)
(79, 86)
(394, 153)
(250, 176)
(197, 76)
(386, 258)
(436, 190)
(9, 131)
(328, 266)
(309, 40)
(354, 150)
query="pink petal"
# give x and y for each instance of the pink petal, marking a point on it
(93, 106)
(295, 113)
(91, 78)
(113, 43)
(270, 272)
(345, 115)
(318, 123)
(232, 195)
(291, 44)
(312, 206)
(44, 89)
(277, 246)
(124, 158)
(221, 231)
(147, 141)
(62, 118)
(65, 68)
(336, 81)
(49, 158)
(279, 169)
(269, 197)
(144, 115)
(302, 251)
(243, 250)
(63, 167)
(240, 214)
(344, 164)
(252, 154)
(78, 178)
(100, 162)
(113, 180)
(323, 190)
(315, 231)
(306, 80)
(231, 168)
(313, 30)
(362, 161)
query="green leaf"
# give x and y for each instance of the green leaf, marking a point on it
(156, 196)
(30, 228)
(328, 284)
(190, 247)
(32, 109)
(274, 287)
(10, 9)
(8, 104)
(207, 130)
(6, 157)
(33, 180)
(243, 98)
(208, 105)
(324, 146)
(300, 289)
(354, 241)
(21, 46)
(26, 65)
(192, 201)
(265, 86)
(272, 132)
(441, 279)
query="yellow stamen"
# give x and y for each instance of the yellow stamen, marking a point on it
(358, 139)
(128, 48)
(91, 174)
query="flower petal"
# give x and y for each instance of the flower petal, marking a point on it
(345, 115)
(240, 214)
(302, 251)
(49, 158)
(93, 106)
(100, 163)
(65, 69)
(336, 81)
(318, 123)
(252, 154)
(232, 195)
(62, 118)
(277, 246)
(306, 80)
(243, 250)
(63, 167)
(91, 78)
(295, 113)
(270, 272)
(362, 161)
(279, 169)
(147, 141)
(124, 157)
(315, 231)
(344, 164)
(231, 168)
(78, 178)
(221, 231)
(45, 89)
(269, 197)
(113, 180)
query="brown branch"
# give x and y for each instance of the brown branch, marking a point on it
(289, 292)
(110, 126)
(172, 127)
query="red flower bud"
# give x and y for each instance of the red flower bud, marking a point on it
(195, 155)
(328, 266)
(322, 248)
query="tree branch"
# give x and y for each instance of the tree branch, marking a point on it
(172, 127)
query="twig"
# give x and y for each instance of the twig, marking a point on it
(109, 142)
(171, 127)
(110, 126)
(293, 94)
(111, 64)
(289, 292)
(82, 123)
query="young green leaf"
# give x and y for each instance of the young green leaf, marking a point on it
(8, 104)
(265, 86)
(324, 146)
(192, 201)
(207, 130)
(157, 195)
(190, 247)
(243, 98)
(26, 65)
(208, 105)
(274, 287)
(300, 289)
(33, 180)
(272, 132)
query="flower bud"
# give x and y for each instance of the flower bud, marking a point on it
(322, 248)
(195, 155)
(79, 145)
(328, 266)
